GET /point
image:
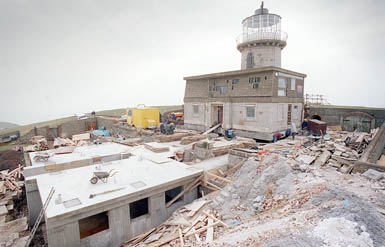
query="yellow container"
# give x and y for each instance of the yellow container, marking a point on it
(147, 117)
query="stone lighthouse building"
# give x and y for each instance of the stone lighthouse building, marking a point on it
(257, 101)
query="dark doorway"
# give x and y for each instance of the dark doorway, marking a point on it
(93, 224)
(138, 208)
(316, 117)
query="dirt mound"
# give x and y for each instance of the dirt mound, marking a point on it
(10, 159)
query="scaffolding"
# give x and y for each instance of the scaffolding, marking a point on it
(315, 99)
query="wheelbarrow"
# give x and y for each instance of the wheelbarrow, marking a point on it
(103, 176)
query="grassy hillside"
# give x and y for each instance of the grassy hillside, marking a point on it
(7, 125)
(26, 128)
(54, 123)
(122, 111)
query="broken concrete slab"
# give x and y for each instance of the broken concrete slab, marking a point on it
(322, 159)
(307, 159)
(373, 174)
(3, 210)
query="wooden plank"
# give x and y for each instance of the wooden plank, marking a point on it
(184, 191)
(197, 238)
(198, 219)
(156, 149)
(211, 129)
(208, 187)
(80, 137)
(210, 231)
(139, 238)
(168, 238)
(216, 219)
(180, 237)
(202, 229)
(194, 207)
(381, 161)
(214, 186)
(220, 178)
(236, 167)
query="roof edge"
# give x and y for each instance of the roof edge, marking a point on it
(243, 72)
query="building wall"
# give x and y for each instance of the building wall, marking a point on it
(333, 115)
(65, 232)
(235, 92)
(268, 117)
(263, 56)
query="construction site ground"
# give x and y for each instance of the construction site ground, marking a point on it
(302, 192)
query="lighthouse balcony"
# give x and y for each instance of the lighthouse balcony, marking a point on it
(277, 38)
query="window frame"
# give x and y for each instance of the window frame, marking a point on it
(292, 84)
(247, 111)
(142, 215)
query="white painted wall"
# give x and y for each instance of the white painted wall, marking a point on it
(269, 117)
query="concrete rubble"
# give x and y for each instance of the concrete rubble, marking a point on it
(311, 191)
(289, 193)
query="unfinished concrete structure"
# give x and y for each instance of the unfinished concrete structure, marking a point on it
(81, 156)
(256, 101)
(129, 203)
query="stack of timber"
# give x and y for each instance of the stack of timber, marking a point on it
(61, 142)
(156, 148)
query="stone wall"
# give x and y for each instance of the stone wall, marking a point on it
(108, 123)
(333, 115)
(263, 56)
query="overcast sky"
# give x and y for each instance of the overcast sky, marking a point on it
(63, 57)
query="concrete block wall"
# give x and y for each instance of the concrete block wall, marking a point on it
(333, 115)
(263, 56)
(49, 133)
(269, 117)
(34, 202)
(108, 123)
(67, 130)
(121, 227)
(125, 130)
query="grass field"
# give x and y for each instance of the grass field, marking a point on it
(54, 123)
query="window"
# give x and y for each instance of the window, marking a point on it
(196, 109)
(292, 85)
(255, 85)
(171, 194)
(281, 87)
(282, 83)
(93, 224)
(235, 81)
(249, 60)
(250, 111)
(299, 89)
(251, 79)
(257, 79)
(224, 90)
(138, 208)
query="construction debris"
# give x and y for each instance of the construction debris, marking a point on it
(10, 179)
(189, 226)
(61, 142)
(39, 143)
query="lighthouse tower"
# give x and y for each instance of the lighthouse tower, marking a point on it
(262, 40)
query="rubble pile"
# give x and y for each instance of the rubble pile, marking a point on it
(191, 225)
(270, 201)
(13, 223)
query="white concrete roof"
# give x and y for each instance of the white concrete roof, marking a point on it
(82, 153)
(75, 183)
